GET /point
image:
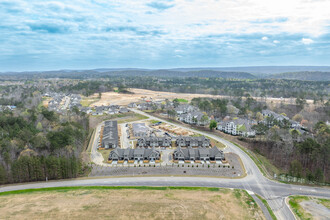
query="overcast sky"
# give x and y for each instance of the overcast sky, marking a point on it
(85, 34)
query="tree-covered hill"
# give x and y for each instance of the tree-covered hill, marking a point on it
(308, 76)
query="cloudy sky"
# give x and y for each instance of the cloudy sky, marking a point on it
(83, 34)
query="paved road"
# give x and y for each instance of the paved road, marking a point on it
(281, 190)
(274, 192)
(96, 156)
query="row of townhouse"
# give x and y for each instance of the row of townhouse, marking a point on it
(280, 118)
(240, 127)
(138, 154)
(110, 135)
(154, 142)
(109, 110)
(186, 141)
(147, 106)
(198, 154)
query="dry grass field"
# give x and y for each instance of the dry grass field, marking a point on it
(115, 98)
(144, 203)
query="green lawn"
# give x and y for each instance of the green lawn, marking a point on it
(154, 121)
(217, 143)
(182, 100)
(105, 153)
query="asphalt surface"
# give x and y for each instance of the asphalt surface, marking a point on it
(275, 193)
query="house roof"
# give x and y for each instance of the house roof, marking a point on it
(139, 127)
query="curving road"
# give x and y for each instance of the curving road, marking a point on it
(275, 193)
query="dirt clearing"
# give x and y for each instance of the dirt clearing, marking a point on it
(115, 98)
(130, 204)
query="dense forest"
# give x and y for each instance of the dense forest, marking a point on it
(233, 87)
(37, 144)
(300, 155)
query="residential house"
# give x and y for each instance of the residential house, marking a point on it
(123, 110)
(195, 118)
(132, 105)
(86, 110)
(140, 130)
(241, 127)
(185, 108)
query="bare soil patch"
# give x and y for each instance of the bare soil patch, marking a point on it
(116, 98)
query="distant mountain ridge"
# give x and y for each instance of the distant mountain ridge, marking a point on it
(179, 72)
(262, 70)
(306, 75)
(172, 73)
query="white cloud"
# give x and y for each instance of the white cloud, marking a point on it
(121, 30)
(307, 41)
